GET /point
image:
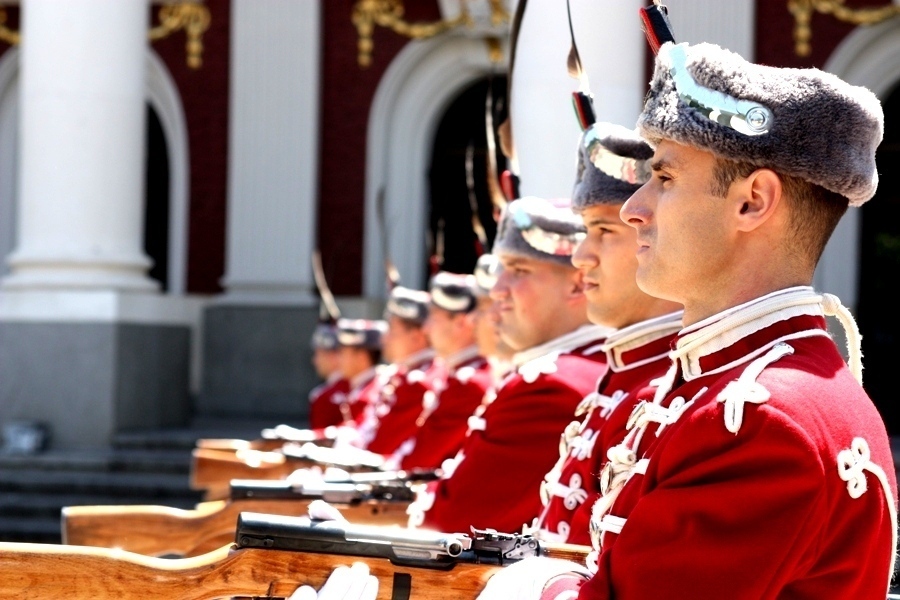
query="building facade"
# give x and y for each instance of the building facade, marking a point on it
(158, 218)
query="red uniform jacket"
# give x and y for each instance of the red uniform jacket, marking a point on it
(494, 481)
(363, 393)
(635, 355)
(763, 471)
(392, 419)
(457, 390)
(325, 402)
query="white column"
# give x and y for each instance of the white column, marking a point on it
(81, 146)
(273, 149)
(545, 130)
(731, 24)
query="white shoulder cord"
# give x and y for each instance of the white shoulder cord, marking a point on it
(831, 307)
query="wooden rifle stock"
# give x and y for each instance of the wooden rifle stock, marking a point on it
(51, 572)
(212, 470)
(234, 445)
(163, 531)
(272, 439)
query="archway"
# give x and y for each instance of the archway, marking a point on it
(458, 176)
(863, 256)
(9, 140)
(879, 249)
(415, 92)
(162, 97)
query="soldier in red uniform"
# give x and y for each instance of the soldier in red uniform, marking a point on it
(391, 417)
(612, 164)
(325, 399)
(513, 438)
(359, 352)
(760, 469)
(459, 379)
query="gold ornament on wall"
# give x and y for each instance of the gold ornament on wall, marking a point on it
(193, 18)
(804, 9)
(389, 14)
(6, 34)
(190, 15)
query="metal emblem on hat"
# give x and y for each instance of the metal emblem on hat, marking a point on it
(629, 170)
(744, 116)
(548, 242)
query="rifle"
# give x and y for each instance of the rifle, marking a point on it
(271, 439)
(51, 572)
(165, 531)
(211, 470)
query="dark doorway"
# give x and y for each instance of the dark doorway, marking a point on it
(879, 320)
(156, 200)
(458, 176)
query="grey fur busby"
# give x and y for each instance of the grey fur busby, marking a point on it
(613, 162)
(487, 268)
(361, 333)
(324, 337)
(409, 305)
(800, 122)
(540, 229)
(454, 292)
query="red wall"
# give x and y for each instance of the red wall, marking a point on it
(775, 34)
(347, 93)
(204, 94)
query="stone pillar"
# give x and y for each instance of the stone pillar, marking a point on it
(264, 320)
(87, 344)
(81, 146)
(273, 151)
(545, 130)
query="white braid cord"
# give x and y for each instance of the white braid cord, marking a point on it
(746, 389)
(852, 464)
(829, 303)
(623, 461)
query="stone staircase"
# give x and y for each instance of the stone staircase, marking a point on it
(150, 467)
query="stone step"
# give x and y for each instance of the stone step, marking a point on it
(132, 461)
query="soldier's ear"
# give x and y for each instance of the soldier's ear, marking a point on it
(756, 198)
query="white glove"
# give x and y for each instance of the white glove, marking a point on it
(525, 580)
(319, 509)
(344, 583)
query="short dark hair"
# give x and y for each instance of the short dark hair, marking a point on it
(814, 211)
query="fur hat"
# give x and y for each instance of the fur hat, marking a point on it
(800, 122)
(324, 337)
(454, 292)
(613, 162)
(361, 333)
(540, 229)
(409, 305)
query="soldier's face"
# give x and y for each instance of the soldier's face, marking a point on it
(608, 264)
(325, 362)
(402, 340)
(440, 327)
(530, 295)
(685, 238)
(485, 326)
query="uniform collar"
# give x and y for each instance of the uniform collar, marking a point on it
(641, 343)
(743, 332)
(417, 359)
(363, 378)
(458, 359)
(583, 336)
